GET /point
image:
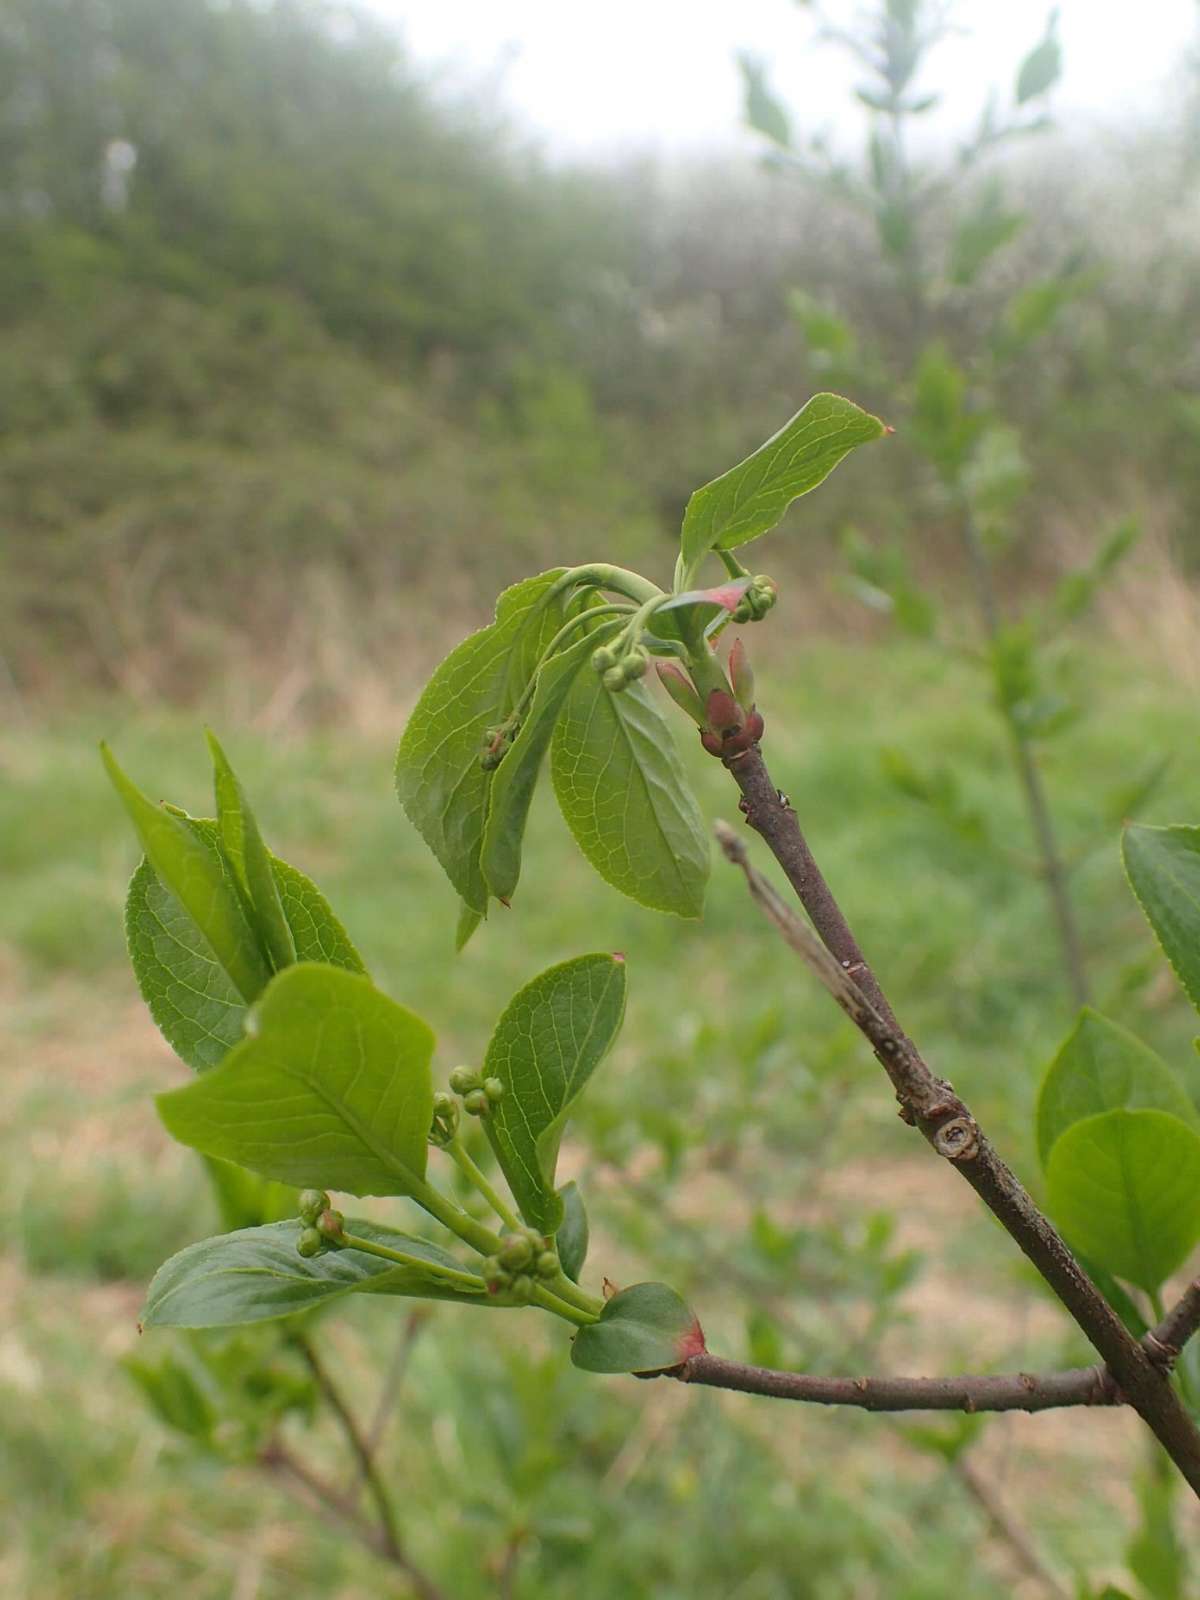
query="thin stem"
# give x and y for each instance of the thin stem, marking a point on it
(574, 1295)
(456, 1219)
(983, 1492)
(1176, 1327)
(390, 1389)
(468, 1282)
(930, 1104)
(542, 1296)
(600, 575)
(1053, 868)
(1004, 1391)
(391, 1543)
(472, 1172)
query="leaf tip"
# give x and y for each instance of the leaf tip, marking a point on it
(692, 1342)
(619, 957)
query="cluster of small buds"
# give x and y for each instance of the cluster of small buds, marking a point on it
(761, 594)
(496, 742)
(479, 1094)
(617, 669)
(524, 1257)
(323, 1226)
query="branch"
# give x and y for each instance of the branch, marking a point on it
(1004, 1391)
(389, 1542)
(1165, 1343)
(930, 1104)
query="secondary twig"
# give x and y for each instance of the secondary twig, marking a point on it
(999, 1391)
(390, 1390)
(930, 1104)
(390, 1544)
(1006, 1526)
(1165, 1343)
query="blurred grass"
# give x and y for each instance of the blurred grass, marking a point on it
(733, 1080)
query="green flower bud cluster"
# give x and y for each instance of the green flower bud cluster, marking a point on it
(760, 596)
(524, 1257)
(445, 1119)
(618, 668)
(323, 1226)
(479, 1094)
(496, 742)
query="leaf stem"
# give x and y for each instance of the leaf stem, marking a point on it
(549, 1301)
(456, 1219)
(478, 1178)
(468, 1282)
(599, 575)
(574, 1295)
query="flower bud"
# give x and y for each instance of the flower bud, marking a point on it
(464, 1079)
(547, 1264)
(329, 1225)
(635, 663)
(476, 1103)
(614, 679)
(516, 1251)
(604, 657)
(724, 713)
(521, 1290)
(309, 1243)
(494, 1089)
(494, 1275)
(311, 1204)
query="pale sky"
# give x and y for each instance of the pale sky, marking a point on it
(659, 75)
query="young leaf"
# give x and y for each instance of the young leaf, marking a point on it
(514, 779)
(201, 887)
(175, 1396)
(750, 498)
(332, 1089)
(1042, 67)
(191, 997)
(250, 860)
(1125, 1188)
(440, 779)
(1163, 865)
(763, 111)
(624, 794)
(572, 1236)
(258, 1274)
(1103, 1067)
(645, 1328)
(550, 1038)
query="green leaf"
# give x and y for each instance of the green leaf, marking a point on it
(750, 498)
(986, 229)
(572, 1236)
(624, 794)
(440, 779)
(1042, 67)
(1103, 1067)
(941, 424)
(763, 111)
(468, 920)
(258, 1274)
(1076, 590)
(515, 778)
(245, 1200)
(1125, 1188)
(250, 860)
(175, 1395)
(646, 1328)
(551, 1037)
(190, 995)
(1163, 865)
(201, 887)
(331, 1090)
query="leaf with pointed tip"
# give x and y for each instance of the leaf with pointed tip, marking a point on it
(331, 1090)
(550, 1038)
(514, 779)
(763, 111)
(1103, 1067)
(572, 1237)
(440, 779)
(251, 861)
(624, 795)
(468, 920)
(750, 498)
(1042, 67)
(645, 1328)
(190, 995)
(1163, 866)
(258, 1274)
(1124, 1186)
(200, 885)
(696, 611)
